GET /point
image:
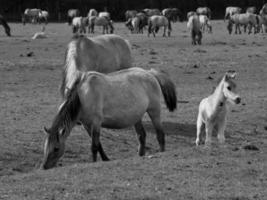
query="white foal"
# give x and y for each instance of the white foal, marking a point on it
(213, 109)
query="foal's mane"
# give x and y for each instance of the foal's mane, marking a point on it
(217, 83)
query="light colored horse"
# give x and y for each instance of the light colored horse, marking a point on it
(205, 23)
(263, 10)
(71, 14)
(194, 27)
(134, 25)
(100, 21)
(43, 15)
(262, 23)
(213, 109)
(190, 13)
(105, 14)
(229, 11)
(130, 14)
(204, 11)
(105, 54)
(79, 24)
(31, 15)
(247, 20)
(157, 21)
(150, 12)
(92, 12)
(251, 9)
(172, 14)
(115, 101)
(5, 25)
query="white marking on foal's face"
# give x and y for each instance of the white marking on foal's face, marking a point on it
(229, 89)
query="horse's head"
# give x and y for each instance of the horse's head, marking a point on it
(229, 88)
(54, 147)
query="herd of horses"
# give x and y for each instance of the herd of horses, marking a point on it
(100, 88)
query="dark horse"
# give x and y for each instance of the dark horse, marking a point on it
(5, 25)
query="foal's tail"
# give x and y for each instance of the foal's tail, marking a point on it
(167, 88)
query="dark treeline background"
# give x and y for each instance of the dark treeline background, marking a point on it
(12, 9)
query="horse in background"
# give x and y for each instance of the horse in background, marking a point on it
(79, 24)
(190, 13)
(105, 14)
(105, 54)
(115, 101)
(150, 12)
(194, 27)
(251, 9)
(205, 24)
(204, 11)
(213, 109)
(247, 20)
(172, 14)
(157, 21)
(229, 11)
(263, 10)
(43, 16)
(3, 22)
(71, 14)
(100, 21)
(92, 12)
(130, 14)
(31, 15)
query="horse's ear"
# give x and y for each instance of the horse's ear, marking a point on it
(46, 130)
(230, 75)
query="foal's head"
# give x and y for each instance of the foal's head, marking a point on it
(229, 88)
(54, 147)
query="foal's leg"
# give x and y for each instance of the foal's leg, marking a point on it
(164, 31)
(221, 128)
(199, 127)
(209, 129)
(141, 136)
(155, 118)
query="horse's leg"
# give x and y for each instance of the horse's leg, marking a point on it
(141, 136)
(155, 118)
(221, 128)
(164, 31)
(199, 37)
(199, 127)
(193, 36)
(209, 129)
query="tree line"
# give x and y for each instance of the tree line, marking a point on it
(12, 10)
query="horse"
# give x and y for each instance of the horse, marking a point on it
(172, 14)
(105, 54)
(190, 13)
(79, 24)
(205, 23)
(229, 11)
(71, 14)
(115, 101)
(150, 12)
(92, 12)
(3, 22)
(100, 21)
(247, 20)
(251, 9)
(194, 26)
(134, 25)
(262, 23)
(43, 15)
(104, 14)
(214, 108)
(204, 11)
(157, 21)
(130, 14)
(30, 15)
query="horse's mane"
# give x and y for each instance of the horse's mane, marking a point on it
(217, 83)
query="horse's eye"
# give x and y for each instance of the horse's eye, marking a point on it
(56, 150)
(229, 88)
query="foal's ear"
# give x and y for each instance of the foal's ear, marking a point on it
(47, 130)
(230, 75)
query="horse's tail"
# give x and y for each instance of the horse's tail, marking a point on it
(167, 88)
(70, 71)
(5, 25)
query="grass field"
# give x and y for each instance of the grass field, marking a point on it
(30, 74)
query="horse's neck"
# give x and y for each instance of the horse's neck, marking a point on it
(218, 97)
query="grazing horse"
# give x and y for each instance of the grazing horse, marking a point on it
(92, 12)
(157, 21)
(172, 14)
(130, 14)
(100, 21)
(229, 11)
(247, 20)
(150, 12)
(71, 14)
(194, 27)
(79, 24)
(190, 13)
(134, 25)
(115, 101)
(31, 15)
(213, 109)
(204, 11)
(105, 54)
(43, 15)
(251, 9)
(5, 25)
(205, 23)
